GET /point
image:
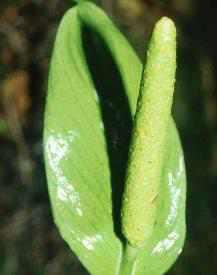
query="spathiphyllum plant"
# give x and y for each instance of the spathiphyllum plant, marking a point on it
(114, 162)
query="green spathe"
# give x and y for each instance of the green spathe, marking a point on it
(77, 160)
(149, 133)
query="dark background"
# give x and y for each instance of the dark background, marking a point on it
(29, 241)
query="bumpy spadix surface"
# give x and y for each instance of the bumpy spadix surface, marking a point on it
(149, 135)
(77, 161)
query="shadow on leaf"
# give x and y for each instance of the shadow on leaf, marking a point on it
(115, 112)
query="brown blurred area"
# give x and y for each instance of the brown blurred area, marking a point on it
(29, 241)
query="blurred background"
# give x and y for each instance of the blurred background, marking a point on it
(29, 241)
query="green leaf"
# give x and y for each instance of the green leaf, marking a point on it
(93, 89)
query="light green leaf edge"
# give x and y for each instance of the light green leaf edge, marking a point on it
(77, 163)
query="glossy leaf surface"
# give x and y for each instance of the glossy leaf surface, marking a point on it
(93, 89)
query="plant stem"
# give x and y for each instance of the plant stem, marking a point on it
(128, 261)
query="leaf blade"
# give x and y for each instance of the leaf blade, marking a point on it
(81, 224)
